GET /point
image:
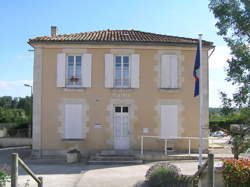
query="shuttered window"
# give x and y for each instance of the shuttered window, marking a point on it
(74, 70)
(169, 71)
(73, 121)
(122, 71)
(61, 64)
(74, 64)
(122, 75)
(86, 70)
(169, 121)
(109, 71)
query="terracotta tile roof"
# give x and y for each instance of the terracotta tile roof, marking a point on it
(117, 36)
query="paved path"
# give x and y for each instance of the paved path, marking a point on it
(59, 173)
(78, 175)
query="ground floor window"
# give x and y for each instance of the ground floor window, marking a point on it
(73, 121)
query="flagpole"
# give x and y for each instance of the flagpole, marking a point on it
(201, 104)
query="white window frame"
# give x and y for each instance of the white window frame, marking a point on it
(74, 71)
(129, 74)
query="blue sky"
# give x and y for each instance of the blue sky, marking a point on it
(21, 20)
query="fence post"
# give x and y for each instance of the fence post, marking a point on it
(210, 170)
(189, 146)
(14, 170)
(141, 145)
(41, 180)
(166, 146)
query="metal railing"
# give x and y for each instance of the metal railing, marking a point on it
(16, 160)
(166, 140)
(17, 132)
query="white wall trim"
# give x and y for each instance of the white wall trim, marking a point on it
(122, 52)
(74, 51)
(37, 101)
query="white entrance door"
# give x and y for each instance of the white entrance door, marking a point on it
(121, 127)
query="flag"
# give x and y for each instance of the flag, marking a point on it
(196, 72)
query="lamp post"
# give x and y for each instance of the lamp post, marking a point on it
(31, 113)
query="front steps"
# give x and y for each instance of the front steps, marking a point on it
(113, 157)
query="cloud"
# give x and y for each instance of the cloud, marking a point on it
(215, 87)
(219, 58)
(25, 57)
(8, 85)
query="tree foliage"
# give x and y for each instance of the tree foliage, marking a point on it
(233, 22)
(15, 110)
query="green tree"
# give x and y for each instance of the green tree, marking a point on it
(26, 104)
(6, 102)
(227, 108)
(15, 111)
(233, 22)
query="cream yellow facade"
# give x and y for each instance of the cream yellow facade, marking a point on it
(143, 102)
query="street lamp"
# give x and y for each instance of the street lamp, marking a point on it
(31, 113)
(27, 85)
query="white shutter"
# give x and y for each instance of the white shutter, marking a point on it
(165, 71)
(86, 70)
(73, 121)
(109, 71)
(169, 71)
(135, 71)
(174, 71)
(169, 121)
(61, 64)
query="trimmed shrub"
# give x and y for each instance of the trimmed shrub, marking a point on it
(4, 175)
(164, 175)
(236, 172)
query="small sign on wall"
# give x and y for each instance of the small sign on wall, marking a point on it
(145, 130)
(98, 126)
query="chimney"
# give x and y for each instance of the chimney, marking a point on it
(54, 31)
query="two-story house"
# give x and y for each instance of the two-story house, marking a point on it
(105, 89)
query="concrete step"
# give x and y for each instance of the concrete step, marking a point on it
(113, 157)
(114, 162)
(116, 152)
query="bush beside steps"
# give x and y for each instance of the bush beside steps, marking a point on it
(166, 175)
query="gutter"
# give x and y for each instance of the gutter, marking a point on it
(119, 43)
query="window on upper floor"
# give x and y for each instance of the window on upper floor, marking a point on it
(73, 76)
(169, 72)
(122, 71)
(122, 74)
(74, 70)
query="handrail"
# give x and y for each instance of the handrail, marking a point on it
(14, 171)
(170, 138)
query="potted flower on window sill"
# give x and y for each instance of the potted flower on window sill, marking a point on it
(74, 79)
(73, 156)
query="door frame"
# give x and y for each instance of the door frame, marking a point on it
(129, 122)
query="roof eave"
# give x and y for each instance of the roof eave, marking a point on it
(32, 43)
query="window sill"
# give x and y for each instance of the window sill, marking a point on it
(76, 89)
(122, 88)
(73, 139)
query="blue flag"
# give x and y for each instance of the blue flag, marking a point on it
(196, 72)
